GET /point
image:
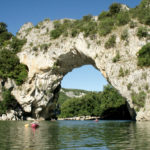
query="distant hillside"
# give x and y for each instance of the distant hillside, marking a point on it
(65, 94)
(108, 104)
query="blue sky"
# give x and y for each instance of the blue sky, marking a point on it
(17, 12)
(85, 77)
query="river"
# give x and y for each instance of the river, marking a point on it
(75, 135)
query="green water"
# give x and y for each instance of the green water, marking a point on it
(72, 135)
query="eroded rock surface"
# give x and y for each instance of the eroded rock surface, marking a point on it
(50, 60)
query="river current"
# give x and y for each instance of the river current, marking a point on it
(75, 135)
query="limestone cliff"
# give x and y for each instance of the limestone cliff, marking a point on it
(49, 60)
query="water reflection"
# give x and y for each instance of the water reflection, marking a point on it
(67, 135)
(18, 136)
(127, 135)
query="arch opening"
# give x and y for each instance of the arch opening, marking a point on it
(86, 83)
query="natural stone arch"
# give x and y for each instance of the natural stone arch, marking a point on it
(38, 94)
(64, 64)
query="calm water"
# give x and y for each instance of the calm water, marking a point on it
(72, 135)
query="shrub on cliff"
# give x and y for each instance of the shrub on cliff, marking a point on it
(106, 26)
(87, 18)
(125, 35)
(8, 101)
(10, 67)
(142, 12)
(17, 44)
(4, 34)
(103, 15)
(123, 18)
(116, 58)
(90, 29)
(111, 42)
(3, 27)
(142, 32)
(114, 8)
(144, 56)
(56, 33)
(138, 99)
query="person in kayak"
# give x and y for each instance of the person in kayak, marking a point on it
(35, 124)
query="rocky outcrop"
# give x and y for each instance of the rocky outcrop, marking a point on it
(50, 60)
(12, 115)
(80, 118)
(72, 93)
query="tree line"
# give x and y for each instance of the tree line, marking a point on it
(106, 104)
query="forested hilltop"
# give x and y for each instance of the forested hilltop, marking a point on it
(108, 104)
(66, 93)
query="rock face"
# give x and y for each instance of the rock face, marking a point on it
(50, 60)
(72, 94)
(12, 115)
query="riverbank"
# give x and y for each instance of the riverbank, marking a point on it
(80, 118)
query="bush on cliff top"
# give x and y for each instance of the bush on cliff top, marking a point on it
(142, 12)
(89, 27)
(3, 27)
(107, 21)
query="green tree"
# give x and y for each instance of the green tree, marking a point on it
(110, 98)
(93, 104)
(3, 27)
(114, 8)
(8, 101)
(10, 67)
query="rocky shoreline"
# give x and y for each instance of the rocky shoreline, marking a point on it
(80, 118)
(12, 115)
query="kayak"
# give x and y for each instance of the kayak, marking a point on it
(34, 125)
(96, 120)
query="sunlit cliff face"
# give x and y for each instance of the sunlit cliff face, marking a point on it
(49, 60)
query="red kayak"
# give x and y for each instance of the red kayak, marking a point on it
(34, 125)
(96, 120)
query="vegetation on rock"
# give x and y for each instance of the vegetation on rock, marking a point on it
(144, 56)
(111, 42)
(125, 35)
(142, 12)
(117, 57)
(91, 27)
(142, 32)
(138, 99)
(129, 86)
(117, 15)
(8, 102)
(10, 66)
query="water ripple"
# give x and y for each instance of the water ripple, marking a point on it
(72, 135)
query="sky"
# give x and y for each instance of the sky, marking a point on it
(15, 13)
